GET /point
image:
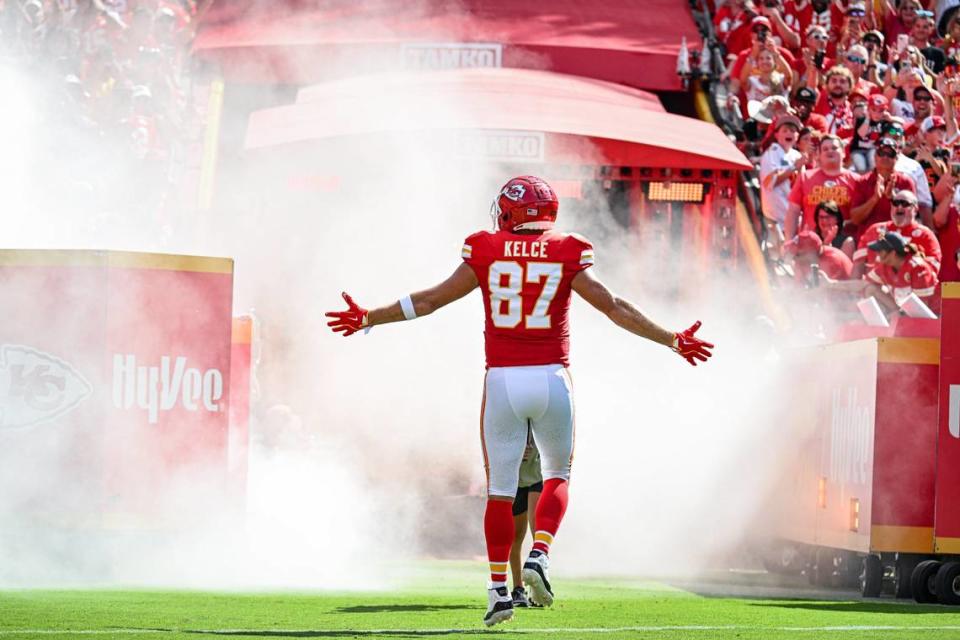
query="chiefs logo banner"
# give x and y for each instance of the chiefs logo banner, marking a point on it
(114, 377)
(36, 387)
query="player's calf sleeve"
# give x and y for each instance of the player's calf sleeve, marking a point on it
(498, 529)
(550, 509)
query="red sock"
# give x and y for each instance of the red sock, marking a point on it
(498, 527)
(550, 509)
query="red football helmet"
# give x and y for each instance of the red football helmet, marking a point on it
(525, 203)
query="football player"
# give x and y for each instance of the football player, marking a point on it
(526, 272)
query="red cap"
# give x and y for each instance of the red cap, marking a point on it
(805, 242)
(879, 100)
(760, 21)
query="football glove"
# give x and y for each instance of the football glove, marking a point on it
(690, 347)
(350, 321)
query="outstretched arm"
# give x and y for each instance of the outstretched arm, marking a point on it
(422, 303)
(625, 314)
(620, 311)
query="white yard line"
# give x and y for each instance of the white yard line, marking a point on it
(85, 632)
(503, 629)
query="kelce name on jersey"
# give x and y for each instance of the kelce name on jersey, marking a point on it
(522, 249)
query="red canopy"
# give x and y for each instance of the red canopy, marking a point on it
(579, 117)
(303, 41)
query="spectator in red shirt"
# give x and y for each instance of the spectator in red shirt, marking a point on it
(739, 37)
(808, 143)
(764, 78)
(760, 40)
(946, 220)
(853, 27)
(903, 220)
(807, 250)
(782, 32)
(867, 133)
(731, 16)
(802, 14)
(830, 182)
(899, 20)
(893, 128)
(899, 271)
(813, 57)
(834, 102)
(803, 101)
(856, 59)
(871, 199)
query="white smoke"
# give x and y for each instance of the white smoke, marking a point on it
(366, 450)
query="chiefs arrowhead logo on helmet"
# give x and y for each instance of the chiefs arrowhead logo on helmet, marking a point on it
(36, 387)
(514, 191)
(525, 203)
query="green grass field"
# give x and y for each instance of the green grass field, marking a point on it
(444, 601)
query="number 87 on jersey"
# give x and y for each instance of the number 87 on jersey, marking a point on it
(525, 280)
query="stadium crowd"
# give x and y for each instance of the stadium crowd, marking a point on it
(115, 75)
(850, 116)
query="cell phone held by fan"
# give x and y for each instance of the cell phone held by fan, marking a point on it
(903, 41)
(818, 60)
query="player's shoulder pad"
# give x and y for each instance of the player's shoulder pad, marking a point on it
(580, 247)
(474, 243)
(579, 238)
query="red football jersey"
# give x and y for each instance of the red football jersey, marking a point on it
(915, 276)
(525, 280)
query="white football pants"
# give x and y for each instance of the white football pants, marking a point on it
(541, 396)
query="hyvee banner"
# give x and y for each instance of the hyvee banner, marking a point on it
(122, 361)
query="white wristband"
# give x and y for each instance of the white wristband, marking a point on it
(406, 304)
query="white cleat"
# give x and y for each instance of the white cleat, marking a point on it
(499, 606)
(535, 577)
